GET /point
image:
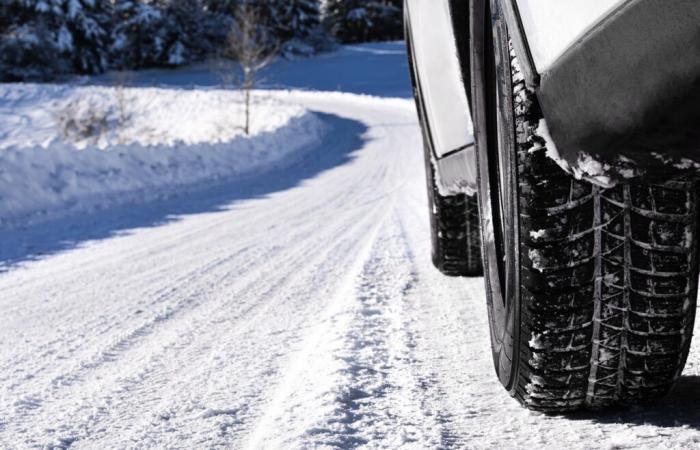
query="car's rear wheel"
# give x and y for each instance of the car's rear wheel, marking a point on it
(591, 292)
(454, 229)
(454, 219)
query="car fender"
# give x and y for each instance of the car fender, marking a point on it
(618, 87)
(438, 46)
(618, 82)
(621, 101)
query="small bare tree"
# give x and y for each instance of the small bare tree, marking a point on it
(253, 47)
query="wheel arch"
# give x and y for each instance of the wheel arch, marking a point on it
(439, 37)
(438, 46)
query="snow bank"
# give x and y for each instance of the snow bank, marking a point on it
(67, 149)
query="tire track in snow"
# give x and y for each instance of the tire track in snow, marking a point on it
(181, 329)
(227, 414)
(343, 334)
(449, 318)
(271, 346)
(356, 210)
(428, 379)
(378, 399)
(316, 345)
(357, 386)
(301, 223)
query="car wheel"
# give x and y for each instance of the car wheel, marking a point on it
(591, 292)
(454, 229)
(454, 219)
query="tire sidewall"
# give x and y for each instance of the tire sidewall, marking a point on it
(492, 95)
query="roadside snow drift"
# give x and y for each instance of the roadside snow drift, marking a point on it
(67, 149)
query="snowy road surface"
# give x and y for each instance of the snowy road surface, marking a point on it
(294, 311)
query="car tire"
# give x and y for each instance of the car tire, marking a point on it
(454, 219)
(591, 292)
(454, 230)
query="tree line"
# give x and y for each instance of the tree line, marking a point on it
(42, 39)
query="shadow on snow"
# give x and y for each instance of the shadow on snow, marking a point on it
(343, 138)
(378, 69)
(679, 409)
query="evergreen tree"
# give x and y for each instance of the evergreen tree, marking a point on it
(388, 19)
(27, 53)
(158, 33)
(223, 7)
(58, 34)
(42, 38)
(364, 20)
(186, 31)
(137, 37)
(83, 33)
(296, 25)
(297, 19)
(285, 20)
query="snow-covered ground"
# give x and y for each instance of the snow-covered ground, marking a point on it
(69, 149)
(293, 310)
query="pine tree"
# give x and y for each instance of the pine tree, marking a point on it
(27, 53)
(186, 31)
(137, 39)
(295, 25)
(364, 20)
(297, 19)
(83, 35)
(223, 7)
(284, 19)
(389, 17)
(42, 38)
(58, 34)
(158, 33)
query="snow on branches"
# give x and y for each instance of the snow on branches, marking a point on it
(40, 39)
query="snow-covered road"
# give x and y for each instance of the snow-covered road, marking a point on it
(298, 310)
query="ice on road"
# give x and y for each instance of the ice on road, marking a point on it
(297, 310)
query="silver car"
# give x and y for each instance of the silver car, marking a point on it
(562, 142)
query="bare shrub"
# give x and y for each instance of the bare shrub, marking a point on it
(82, 121)
(87, 120)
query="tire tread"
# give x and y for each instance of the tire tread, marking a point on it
(608, 281)
(456, 235)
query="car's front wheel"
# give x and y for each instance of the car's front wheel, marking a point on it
(591, 292)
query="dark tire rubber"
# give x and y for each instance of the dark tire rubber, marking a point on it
(454, 219)
(603, 306)
(454, 229)
(608, 281)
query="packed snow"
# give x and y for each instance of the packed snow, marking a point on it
(292, 309)
(590, 168)
(69, 149)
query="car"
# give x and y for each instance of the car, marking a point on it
(562, 148)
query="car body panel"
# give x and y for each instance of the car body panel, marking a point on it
(622, 101)
(456, 173)
(438, 69)
(618, 82)
(438, 73)
(552, 26)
